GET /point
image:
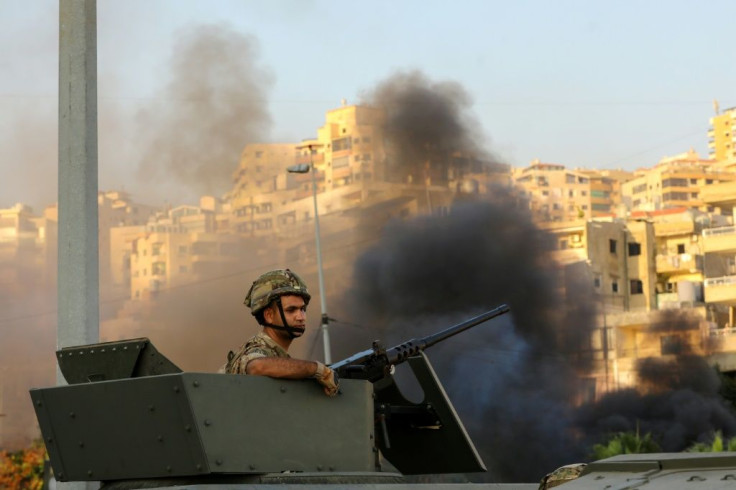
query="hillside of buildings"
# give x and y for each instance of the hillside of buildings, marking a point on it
(622, 284)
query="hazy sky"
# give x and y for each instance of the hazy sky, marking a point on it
(582, 83)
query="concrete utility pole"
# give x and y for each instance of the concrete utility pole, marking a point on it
(78, 279)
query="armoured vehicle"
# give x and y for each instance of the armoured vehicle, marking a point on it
(130, 418)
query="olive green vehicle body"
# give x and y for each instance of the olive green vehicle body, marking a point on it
(130, 418)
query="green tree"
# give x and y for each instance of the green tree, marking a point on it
(630, 442)
(718, 444)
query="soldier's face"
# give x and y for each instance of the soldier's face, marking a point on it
(295, 311)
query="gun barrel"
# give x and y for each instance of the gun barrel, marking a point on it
(412, 347)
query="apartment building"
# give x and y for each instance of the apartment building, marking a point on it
(722, 135)
(605, 191)
(646, 273)
(352, 144)
(27, 248)
(674, 182)
(719, 247)
(119, 218)
(556, 193)
(175, 247)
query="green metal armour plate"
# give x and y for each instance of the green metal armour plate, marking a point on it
(197, 424)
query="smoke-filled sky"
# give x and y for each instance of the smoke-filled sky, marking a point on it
(574, 82)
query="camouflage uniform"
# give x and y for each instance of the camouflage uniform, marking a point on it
(256, 347)
(562, 475)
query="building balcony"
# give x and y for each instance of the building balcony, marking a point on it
(721, 239)
(721, 290)
(674, 263)
(722, 194)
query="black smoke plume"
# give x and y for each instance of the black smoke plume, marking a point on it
(680, 403)
(430, 127)
(214, 105)
(511, 379)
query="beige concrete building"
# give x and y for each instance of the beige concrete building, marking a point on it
(674, 182)
(640, 269)
(556, 193)
(179, 246)
(722, 135)
(27, 248)
(719, 246)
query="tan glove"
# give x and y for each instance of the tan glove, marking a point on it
(327, 378)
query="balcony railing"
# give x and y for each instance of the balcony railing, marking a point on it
(679, 262)
(722, 332)
(720, 281)
(722, 230)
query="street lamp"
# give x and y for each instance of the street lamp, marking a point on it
(303, 168)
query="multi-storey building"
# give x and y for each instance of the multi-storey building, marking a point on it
(118, 217)
(605, 191)
(27, 248)
(719, 246)
(554, 192)
(674, 182)
(176, 247)
(722, 135)
(647, 278)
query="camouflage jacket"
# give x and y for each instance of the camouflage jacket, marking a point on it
(260, 345)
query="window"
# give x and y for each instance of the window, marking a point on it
(636, 286)
(156, 248)
(680, 248)
(675, 196)
(634, 249)
(614, 286)
(597, 281)
(639, 188)
(693, 181)
(670, 345)
(342, 144)
(563, 244)
(672, 182)
(158, 269)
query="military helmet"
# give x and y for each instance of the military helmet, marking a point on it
(272, 285)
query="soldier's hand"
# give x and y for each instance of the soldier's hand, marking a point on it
(327, 378)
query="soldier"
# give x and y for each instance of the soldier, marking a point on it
(278, 299)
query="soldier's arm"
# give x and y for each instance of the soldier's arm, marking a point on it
(281, 367)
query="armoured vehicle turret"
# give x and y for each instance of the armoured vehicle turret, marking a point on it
(130, 418)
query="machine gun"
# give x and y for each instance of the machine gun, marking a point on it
(408, 432)
(376, 363)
